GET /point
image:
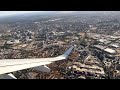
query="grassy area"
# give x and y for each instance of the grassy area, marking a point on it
(6, 46)
(6, 37)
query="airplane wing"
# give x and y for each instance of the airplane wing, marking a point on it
(11, 65)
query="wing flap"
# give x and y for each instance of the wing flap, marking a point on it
(42, 68)
(7, 76)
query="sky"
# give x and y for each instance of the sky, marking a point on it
(7, 13)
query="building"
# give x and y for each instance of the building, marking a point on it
(2, 43)
(114, 45)
(104, 49)
(110, 51)
(13, 42)
(100, 47)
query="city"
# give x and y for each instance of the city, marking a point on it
(96, 37)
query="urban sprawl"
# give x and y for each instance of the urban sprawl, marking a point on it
(96, 54)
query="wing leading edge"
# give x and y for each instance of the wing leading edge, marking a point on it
(11, 65)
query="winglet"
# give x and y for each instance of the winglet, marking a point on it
(65, 55)
(68, 52)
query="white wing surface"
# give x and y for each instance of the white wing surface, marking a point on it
(11, 65)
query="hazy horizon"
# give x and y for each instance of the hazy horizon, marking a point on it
(9, 13)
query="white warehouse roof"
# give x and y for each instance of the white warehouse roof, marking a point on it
(114, 45)
(110, 50)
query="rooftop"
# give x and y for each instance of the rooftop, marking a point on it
(110, 50)
(100, 47)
